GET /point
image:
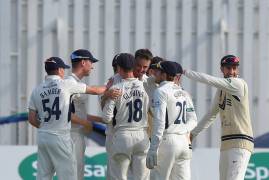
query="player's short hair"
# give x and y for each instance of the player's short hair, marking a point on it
(143, 54)
(125, 61)
(114, 63)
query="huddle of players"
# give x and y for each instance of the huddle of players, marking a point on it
(137, 108)
(131, 154)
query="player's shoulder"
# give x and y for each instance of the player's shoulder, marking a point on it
(236, 81)
(144, 78)
(116, 78)
(70, 78)
(186, 93)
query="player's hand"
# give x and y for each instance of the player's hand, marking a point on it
(151, 160)
(87, 127)
(191, 137)
(113, 93)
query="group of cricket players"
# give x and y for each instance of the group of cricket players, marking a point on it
(150, 118)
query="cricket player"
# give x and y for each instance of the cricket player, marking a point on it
(111, 94)
(231, 102)
(142, 62)
(49, 111)
(173, 118)
(82, 64)
(128, 114)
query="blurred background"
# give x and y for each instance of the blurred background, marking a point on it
(195, 33)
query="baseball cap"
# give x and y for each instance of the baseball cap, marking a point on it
(155, 60)
(54, 63)
(229, 60)
(169, 67)
(125, 61)
(82, 54)
(178, 68)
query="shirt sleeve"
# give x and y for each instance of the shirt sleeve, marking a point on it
(234, 86)
(159, 111)
(32, 105)
(108, 111)
(209, 118)
(190, 114)
(75, 87)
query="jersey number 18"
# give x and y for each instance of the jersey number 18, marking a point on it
(137, 114)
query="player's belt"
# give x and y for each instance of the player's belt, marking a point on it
(237, 136)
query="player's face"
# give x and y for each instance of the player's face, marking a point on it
(87, 67)
(159, 76)
(230, 71)
(141, 67)
(152, 72)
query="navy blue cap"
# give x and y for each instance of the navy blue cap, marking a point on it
(154, 61)
(179, 68)
(169, 67)
(82, 54)
(54, 63)
(229, 60)
(125, 61)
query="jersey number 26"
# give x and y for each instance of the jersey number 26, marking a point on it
(181, 114)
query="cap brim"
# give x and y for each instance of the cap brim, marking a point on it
(94, 60)
(66, 66)
(153, 66)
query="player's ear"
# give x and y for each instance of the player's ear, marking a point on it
(222, 69)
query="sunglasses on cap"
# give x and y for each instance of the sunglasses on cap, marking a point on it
(73, 56)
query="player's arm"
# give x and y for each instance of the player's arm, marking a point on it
(208, 119)
(159, 107)
(95, 90)
(33, 118)
(111, 93)
(233, 86)
(93, 118)
(108, 111)
(191, 118)
(75, 88)
(87, 125)
(33, 113)
(159, 112)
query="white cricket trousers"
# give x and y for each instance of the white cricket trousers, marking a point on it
(79, 148)
(173, 161)
(129, 150)
(109, 137)
(55, 154)
(233, 163)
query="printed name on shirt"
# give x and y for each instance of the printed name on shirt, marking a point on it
(50, 92)
(178, 94)
(133, 93)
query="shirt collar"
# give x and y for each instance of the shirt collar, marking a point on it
(52, 77)
(75, 76)
(166, 82)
